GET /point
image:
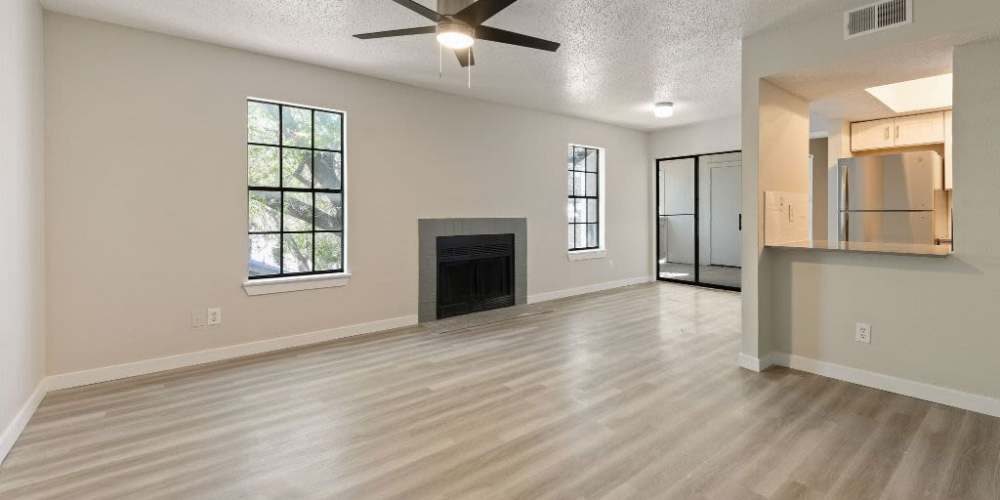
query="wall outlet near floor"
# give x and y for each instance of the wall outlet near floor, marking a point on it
(214, 316)
(199, 319)
(863, 333)
(206, 317)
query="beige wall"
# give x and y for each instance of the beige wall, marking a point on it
(697, 138)
(22, 252)
(782, 152)
(146, 192)
(934, 320)
(819, 149)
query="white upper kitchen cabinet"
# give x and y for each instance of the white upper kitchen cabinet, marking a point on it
(875, 134)
(899, 132)
(919, 130)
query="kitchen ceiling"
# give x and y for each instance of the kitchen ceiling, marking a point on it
(836, 92)
(617, 58)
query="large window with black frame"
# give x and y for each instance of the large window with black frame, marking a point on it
(295, 171)
(583, 207)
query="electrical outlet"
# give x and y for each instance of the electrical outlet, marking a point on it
(199, 319)
(863, 333)
(214, 316)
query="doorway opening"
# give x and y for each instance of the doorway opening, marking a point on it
(699, 219)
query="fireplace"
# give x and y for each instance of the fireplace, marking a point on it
(501, 243)
(474, 273)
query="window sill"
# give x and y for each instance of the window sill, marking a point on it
(295, 283)
(587, 255)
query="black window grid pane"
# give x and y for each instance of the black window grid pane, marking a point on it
(312, 190)
(296, 190)
(302, 148)
(312, 127)
(256, 187)
(252, 143)
(579, 154)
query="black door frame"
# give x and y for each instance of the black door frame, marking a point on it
(697, 223)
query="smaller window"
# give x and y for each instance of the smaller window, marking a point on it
(583, 207)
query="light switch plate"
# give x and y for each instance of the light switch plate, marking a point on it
(863, 333)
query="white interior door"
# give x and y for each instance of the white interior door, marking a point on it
(725, 218)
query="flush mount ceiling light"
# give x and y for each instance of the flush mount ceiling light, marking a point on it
(916, 95)
(663, 109)
(455, 36)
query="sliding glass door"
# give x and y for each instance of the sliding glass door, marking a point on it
(676, 214)
(698, 220)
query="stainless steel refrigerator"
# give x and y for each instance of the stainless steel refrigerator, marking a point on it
(889, 198)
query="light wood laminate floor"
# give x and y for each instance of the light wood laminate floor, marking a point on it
(631, 393)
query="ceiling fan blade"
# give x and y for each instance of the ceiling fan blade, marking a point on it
(423, 30)
(504, 36)
(420, 9)
(482, 10)
(466, 57)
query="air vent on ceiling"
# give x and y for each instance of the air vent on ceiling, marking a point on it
(877, 17)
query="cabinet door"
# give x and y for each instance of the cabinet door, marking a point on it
(875, 134)
(918, 130)
(948, 138)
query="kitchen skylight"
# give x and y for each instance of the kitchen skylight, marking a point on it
(916, 95)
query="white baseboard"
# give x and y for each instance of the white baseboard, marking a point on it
(750, 363)
(906, 387)
(14, 428)
(597, 287)
(145, 367)
(115, 372)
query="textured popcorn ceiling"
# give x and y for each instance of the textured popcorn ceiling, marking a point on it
(617, 58)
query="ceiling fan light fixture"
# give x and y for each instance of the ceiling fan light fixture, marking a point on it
(663, 109)
(455, 36)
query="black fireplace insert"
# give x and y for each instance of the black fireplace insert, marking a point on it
(475, 273)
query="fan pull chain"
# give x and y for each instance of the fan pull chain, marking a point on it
(469, 83)
(440, 62)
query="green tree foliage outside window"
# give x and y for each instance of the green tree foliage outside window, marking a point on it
(295, 168)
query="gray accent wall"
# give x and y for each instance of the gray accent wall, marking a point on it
(430, 229)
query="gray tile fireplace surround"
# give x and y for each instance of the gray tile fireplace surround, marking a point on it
(430, 229)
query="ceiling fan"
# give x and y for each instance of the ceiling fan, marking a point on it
(460, 24)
